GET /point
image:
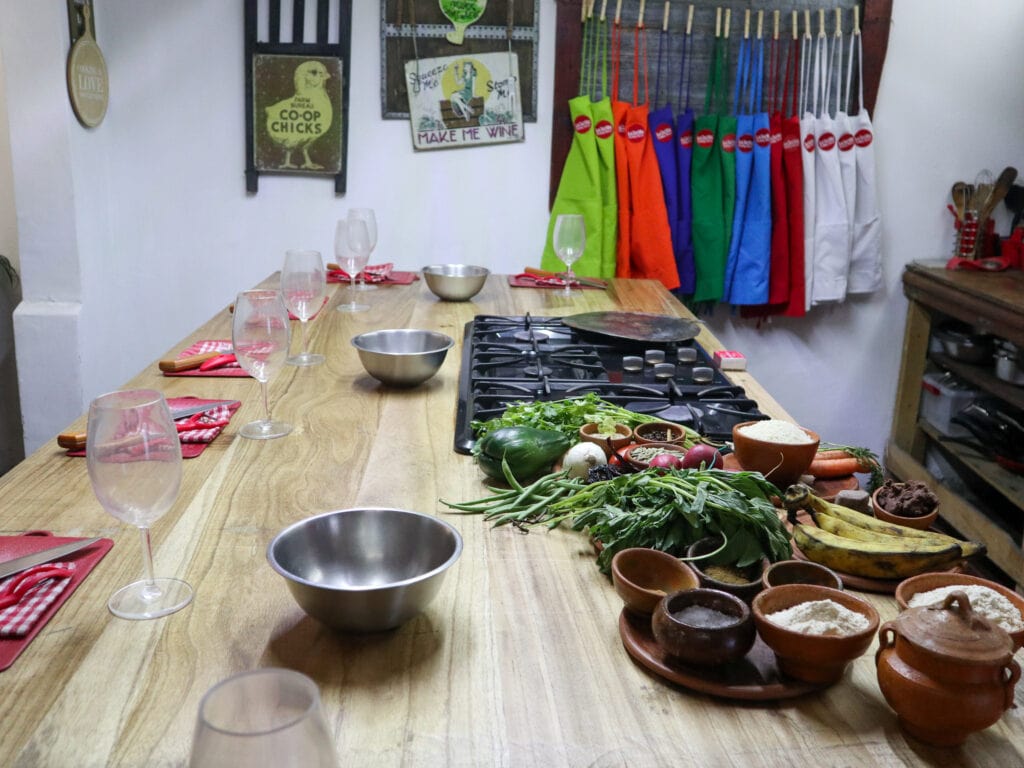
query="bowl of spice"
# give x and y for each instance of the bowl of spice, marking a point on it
(611, 437)
(639, 455)
(659, 432)
(991, 600)
(779, 450)
(912, 504)
(717, 570)
(703, 626)
(814, 631)
(642, 576)
(800, 572)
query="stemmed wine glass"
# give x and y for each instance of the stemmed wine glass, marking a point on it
(351, 262)
(134, 459)
(570, 238)
(260, 335)
(303, 284)
(366, 216)
(263, 717)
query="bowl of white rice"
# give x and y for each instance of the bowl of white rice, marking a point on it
(778, 449)
(991, 600)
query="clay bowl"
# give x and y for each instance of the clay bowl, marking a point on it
(819, 659)
(643, 576)
(678, 624)
(745, 590)
(925, 582)
(921, 522)
(799, 572)
(636, 463)
(609, 444)
(659, 432)
(781, 463)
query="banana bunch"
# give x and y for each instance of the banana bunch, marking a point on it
(851, 542)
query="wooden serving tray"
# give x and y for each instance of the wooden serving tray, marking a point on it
(756, 677)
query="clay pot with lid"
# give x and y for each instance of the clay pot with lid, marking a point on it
(946, 671)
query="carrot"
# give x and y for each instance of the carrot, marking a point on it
(836, 463)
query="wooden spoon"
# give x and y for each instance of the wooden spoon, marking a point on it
(959, 194)
(999, 190)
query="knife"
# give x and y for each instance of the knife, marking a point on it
(75, 441)
(187, 363)
(592, 282)
(43, 556)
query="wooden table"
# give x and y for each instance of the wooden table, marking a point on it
(518, 661)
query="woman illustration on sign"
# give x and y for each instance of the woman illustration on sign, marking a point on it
(463, 93)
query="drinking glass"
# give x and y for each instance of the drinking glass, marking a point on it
(260, 334)
(134, 459)
(351, 262)
(303, 284)
(265, 717)
(367, 216)
(569, 240)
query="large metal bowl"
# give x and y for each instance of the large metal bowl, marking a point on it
(455, 282)
(402, 357)
(365, 570)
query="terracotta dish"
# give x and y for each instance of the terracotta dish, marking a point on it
(745, 590)
(659, 432)
(799, 572)
(608, 443)
(642, 577)
(781, 463)
(703, 626)
(920, 522)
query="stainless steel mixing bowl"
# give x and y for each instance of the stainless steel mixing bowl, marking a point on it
(365, 570)
(402, 357)
(455, 282)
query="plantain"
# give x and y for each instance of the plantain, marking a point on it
(880, 559)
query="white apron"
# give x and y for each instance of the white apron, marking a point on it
(866, 250)
(807, 132)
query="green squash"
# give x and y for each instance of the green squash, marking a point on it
(528, 451)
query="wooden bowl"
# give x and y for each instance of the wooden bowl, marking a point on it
(920, 522)
(658, 432)
(689, 639)
(644, 464)
(811, 658)
(745, 591)
(925, 582)
(608, 443)
(782, 464)
(799, 572)
(642, 576)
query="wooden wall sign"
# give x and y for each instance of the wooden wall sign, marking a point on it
(297, 91)
(88, 85)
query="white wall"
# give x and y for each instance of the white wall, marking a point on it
(150, 209)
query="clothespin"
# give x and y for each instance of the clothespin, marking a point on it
(728, 17)
(664, 19)
(760, 24)
(746, 24)
(718, 22)
(618, 12)
(821, 22)
(839, 22)
(689, 21)
(776, 34)
(640, 17)
(796, 26)
(856, 19)
(807, 23)
(604, 8)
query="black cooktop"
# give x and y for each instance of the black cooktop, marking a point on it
(509, 360)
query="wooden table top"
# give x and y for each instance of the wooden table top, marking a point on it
(517, 662)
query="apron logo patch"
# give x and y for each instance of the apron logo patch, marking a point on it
(686, 139)
(827, 141)
(746, 143)
(764, 137)
(603, 129)
(863, 137)
(846, 142)
(809, 142)
(663, 132)
(790, 144)
(582, 124)
(729, 142)
(621, 128)
(705, 139)
(636, 133)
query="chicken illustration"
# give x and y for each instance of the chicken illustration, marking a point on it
(296, 122)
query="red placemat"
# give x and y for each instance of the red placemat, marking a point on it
(85, 560)
(525, 280)
(378, 274)
(209, 345)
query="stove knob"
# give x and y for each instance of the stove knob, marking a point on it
(687, 355)
(703, 375)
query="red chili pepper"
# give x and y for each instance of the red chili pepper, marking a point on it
(217, 362)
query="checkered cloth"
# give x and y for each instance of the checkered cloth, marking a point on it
(210, 345)
(17, 620)
(376, 273)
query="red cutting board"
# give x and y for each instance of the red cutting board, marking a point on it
(85, 560)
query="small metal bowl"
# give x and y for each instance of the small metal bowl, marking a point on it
(402, 357)
(965, 346)
(455, 282)
(365, 570)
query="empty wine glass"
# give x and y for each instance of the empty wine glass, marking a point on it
(569, 240)
(367, 216)
(265, 717)
(303, 284)
(260, 335)
(351, 262)
(134, 459)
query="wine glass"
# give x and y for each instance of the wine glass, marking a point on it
(367, 216)
(263, 717)
(260, 335)
(569, 240)
(351, 262)
(134, 459)
(303, 284)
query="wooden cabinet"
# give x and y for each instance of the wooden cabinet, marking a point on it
(988, 501)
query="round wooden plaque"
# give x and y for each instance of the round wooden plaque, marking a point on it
(88, 86)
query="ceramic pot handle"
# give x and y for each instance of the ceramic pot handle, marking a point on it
(887, 639)
(1014, 669)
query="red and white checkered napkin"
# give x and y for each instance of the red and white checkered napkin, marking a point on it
(210, 345)
(375, 273)
(17, 620)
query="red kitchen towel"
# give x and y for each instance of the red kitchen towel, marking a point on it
(17, 620)
(209, 345)
(525, 280)
(84, 561)
(382, 274)
(198, 430)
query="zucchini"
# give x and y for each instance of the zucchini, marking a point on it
(528, 451)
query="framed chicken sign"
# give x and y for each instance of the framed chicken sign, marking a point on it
(297, 113)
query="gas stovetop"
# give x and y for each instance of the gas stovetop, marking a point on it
(509, 360)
